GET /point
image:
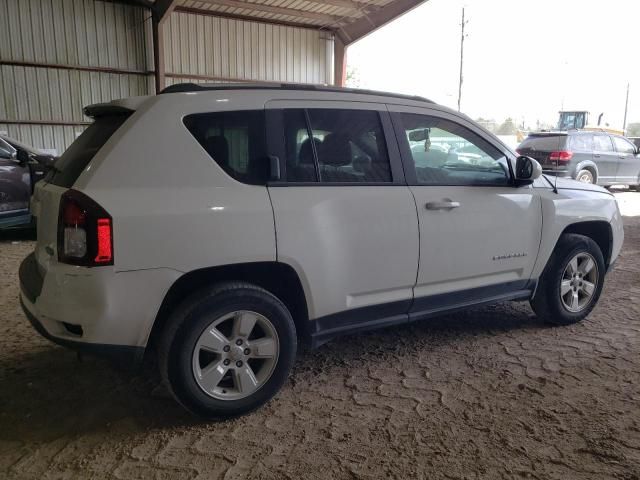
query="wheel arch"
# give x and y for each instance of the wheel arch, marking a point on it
(599, 231)
(588, 165)
(278, 278)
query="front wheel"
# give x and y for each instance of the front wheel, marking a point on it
(227, 350)
(572, 281)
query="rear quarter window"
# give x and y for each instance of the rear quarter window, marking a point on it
(547, 143)
(75, 159)
(235, 141)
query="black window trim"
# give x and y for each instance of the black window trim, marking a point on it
(409, 164)
(276, 147)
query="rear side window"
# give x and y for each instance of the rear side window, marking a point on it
(581, 143)
(335, 146)
(603, 143)
(236, 142)
(75, 159)
(546, 143)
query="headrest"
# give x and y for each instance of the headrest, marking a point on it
(306, 151)
(335, 150)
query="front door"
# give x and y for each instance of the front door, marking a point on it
(344, 217)
(479, 234)
(628, 162)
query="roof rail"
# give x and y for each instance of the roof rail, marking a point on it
(200, 87)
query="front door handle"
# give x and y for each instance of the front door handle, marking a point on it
(445, 204)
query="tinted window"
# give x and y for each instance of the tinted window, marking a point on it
(235, 141)
(602, 143)
(335, 146)
(581, 143)
(544, 143)
(74, 160)
(623, 146)
(446, 153)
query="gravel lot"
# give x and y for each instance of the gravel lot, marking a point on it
(489, 393)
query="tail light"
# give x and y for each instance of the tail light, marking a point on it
(85, 231)
(562, 156)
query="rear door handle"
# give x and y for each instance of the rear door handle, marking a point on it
(597, 155)
(445, 204)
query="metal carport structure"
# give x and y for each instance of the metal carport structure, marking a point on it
(58, 55)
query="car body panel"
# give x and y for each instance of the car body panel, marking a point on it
(356, 249)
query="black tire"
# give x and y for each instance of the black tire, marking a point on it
(547, 302)
(586, 176)
(192, 317)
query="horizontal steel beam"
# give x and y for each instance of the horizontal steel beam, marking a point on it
(246, 18)
(63, 123)
(290, 12)
(80, 68)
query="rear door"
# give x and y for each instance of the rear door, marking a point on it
(628, 162)
(345, 219)
(605, 158)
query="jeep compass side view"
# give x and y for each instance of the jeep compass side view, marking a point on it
(219, 226)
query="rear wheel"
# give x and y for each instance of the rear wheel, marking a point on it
(227, 350)
(572, 281)
(585, 176)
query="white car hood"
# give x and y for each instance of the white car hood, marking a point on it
(569, 184)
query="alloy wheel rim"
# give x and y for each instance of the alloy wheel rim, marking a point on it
(586, 178)
(579, 282)
(235, 355)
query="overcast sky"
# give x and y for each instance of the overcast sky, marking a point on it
(523, 58)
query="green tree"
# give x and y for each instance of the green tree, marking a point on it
(633, 129)
(508, 127)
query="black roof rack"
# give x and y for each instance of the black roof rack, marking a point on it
(200, 87)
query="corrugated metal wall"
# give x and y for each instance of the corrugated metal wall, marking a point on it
(202, 45)
(79, 52)
(67, 33)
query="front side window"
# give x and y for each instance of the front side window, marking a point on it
(623, 146)
(602, 143)
(235, 140)
(446, 153)
(335, 146)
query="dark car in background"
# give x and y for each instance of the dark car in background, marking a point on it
(21, 166)
(587, 156)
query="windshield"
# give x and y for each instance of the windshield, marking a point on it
(73, 161)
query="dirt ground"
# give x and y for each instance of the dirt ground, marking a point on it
(490, 393)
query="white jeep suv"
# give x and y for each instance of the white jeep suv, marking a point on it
(219, 226)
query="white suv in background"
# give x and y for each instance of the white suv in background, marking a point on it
(221, 225)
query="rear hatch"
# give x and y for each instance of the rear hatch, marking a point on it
(45, 203)
(541, 145)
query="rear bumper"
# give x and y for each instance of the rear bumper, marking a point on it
(557, 172)
(119, 353)
(93, 310)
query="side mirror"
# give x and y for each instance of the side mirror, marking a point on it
(45, 160)
(419, 135)
(527, 170)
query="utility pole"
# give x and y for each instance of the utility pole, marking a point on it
(626, 106)
(461, 60)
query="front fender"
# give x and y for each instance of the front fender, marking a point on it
(568, 208)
